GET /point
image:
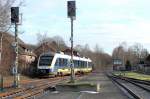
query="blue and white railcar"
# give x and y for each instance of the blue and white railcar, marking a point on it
(59, 64)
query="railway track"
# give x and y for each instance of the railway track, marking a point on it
(135, 88)
(8, 85)
(35, 88)
(38, 89)
(32, 86)
(145, 85)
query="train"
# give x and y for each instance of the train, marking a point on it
(54, 64)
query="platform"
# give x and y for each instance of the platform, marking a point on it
(108, 90)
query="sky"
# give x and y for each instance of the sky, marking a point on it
(107, 23)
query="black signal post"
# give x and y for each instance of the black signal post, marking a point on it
(15, 21)
(72, 15)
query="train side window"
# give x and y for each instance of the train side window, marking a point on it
(60, 62)
(75, 63)
(81, 63)
(89, 64)
(78, 63)
(65, 62)
(85, 64)
(68, 62)
(57, 62)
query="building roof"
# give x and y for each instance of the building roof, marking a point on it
(22, 46)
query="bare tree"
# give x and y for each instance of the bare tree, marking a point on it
(79, 48)
(134, 53)
(120, 52)
(60, 42)
(139, 52)
(4, 17)
(5, 24)
(97, 57)
(84, 50)
(5, 6)
(101, 60)
(5, 13)
(42, 38)
(57, 41)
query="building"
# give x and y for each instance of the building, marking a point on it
(45, 47)
(146, 66)
(118, 65)
(68, 52)
(7, 52)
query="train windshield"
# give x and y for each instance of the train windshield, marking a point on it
(45, 60)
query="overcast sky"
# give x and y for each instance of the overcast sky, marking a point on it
(103, 22)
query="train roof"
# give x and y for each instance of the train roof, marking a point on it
(74, 57)
(48, 54)
(62, 55)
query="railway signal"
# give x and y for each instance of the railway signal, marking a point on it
(72, 14)
(14, 14)
(15, 21)
(71, 9)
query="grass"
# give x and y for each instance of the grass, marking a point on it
(134, 75)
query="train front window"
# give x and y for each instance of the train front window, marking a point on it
(45, 60)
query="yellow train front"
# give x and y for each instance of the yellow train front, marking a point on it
(53, 64)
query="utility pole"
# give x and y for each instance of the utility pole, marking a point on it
(15, 21)
(71, 14)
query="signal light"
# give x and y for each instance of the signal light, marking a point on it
(14, 14)
(71, 8)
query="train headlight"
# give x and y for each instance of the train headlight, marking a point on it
(43, 71)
